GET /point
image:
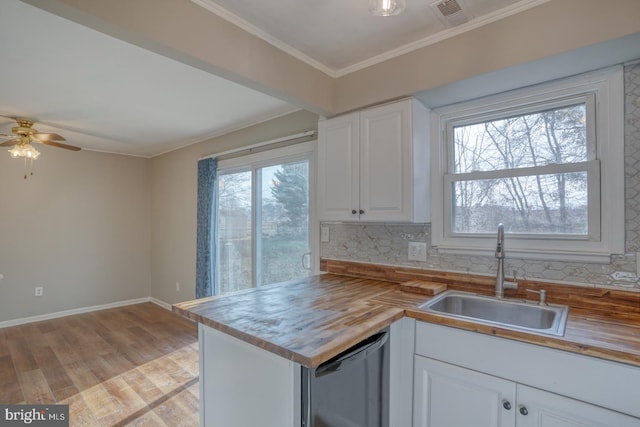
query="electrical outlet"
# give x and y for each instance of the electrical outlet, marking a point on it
(177, 286)
(324, 234)
(417, 251)
(39, 291)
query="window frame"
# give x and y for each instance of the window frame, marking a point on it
(603, 92)
(270, 157)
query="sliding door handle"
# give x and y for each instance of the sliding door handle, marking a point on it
(306, 261)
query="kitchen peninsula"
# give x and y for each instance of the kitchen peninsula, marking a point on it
(269, 333)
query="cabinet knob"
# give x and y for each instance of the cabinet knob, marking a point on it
(506, 404)
(361, 211)
(353, 212)
(524, 410)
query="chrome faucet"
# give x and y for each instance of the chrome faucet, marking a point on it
(501, 284)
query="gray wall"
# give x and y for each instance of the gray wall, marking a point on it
(80, 227)
(95, 228)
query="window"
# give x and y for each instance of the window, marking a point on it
(545, 161)
(263, 218)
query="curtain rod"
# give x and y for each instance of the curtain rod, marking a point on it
(261, 144)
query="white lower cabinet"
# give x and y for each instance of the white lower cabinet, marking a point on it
(467, 379)
(447, 395)
(538, 408)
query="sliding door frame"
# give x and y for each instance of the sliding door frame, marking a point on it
(252, 163)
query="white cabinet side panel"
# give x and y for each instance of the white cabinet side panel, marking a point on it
(402, 343)
(245, 386)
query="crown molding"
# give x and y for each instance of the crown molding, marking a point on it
(516, 8)
(223, 13)
(442, 35)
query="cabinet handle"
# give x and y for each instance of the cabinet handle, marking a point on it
(361, 211)
(524, 410)
(353, 212)
(506, 404)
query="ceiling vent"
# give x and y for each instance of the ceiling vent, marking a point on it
(450, 12)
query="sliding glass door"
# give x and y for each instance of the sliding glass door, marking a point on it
(263, 223)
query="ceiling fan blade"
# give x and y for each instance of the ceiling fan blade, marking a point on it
(10, 143)
(48, 137)
(58, 144)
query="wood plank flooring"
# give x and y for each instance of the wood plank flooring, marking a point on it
(135, 365)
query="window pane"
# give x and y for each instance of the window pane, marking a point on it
(234, 232)
(284, 221)
(542, 204)
(553, 136)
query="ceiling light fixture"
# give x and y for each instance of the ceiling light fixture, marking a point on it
(23, 135)
(386, 7)
(26, 150)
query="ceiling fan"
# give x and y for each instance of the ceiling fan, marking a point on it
(24, 134)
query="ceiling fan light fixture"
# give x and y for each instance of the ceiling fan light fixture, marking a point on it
(386, 7)
(24, 149)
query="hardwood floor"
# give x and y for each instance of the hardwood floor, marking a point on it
(136, 365)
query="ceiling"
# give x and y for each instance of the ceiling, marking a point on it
(338, 36)
(104, 94)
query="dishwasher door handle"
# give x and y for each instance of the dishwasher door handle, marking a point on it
(355, 354)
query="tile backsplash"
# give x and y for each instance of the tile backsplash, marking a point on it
(387, 243)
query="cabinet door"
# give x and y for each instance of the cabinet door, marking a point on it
(447, 395)
(386, 168)
(537, 408)
(338, 169)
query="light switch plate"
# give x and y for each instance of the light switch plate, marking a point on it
(324, 234)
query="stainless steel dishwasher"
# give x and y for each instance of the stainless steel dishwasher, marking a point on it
(351, 389)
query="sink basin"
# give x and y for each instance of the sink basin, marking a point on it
(506, 313)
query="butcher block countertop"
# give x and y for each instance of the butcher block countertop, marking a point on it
(310, 320)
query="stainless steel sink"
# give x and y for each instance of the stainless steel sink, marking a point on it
(507, 313)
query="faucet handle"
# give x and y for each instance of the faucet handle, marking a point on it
(543, 296)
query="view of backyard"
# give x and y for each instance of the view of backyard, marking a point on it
(277, 198)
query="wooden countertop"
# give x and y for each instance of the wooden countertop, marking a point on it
(307, 320)
(310, 320)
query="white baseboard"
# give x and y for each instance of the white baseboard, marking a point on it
(160, 303)
(38, 318)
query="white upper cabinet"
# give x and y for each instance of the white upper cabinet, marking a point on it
(338, 168)
(373, 165)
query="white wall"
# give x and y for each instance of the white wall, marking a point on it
(80, 227)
